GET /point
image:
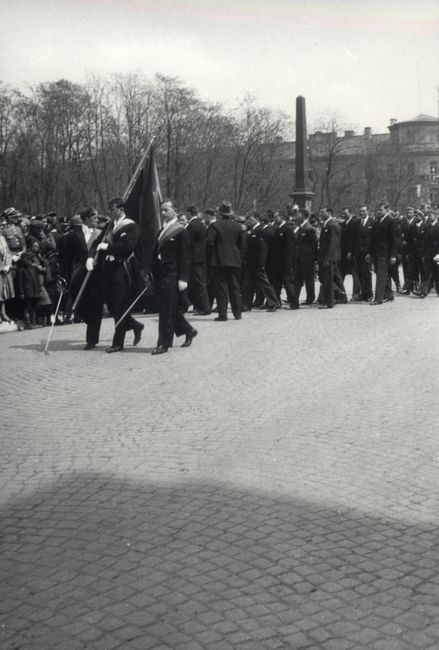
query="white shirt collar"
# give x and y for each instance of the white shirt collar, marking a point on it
(169, 223)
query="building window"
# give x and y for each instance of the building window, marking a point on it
(434, 196)
(411, 169)
(433, 168)
(410, 137)
(412, 195)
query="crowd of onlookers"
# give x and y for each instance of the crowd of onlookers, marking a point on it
(285, 248)
(30, 271)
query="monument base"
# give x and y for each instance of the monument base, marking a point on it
(303, 198)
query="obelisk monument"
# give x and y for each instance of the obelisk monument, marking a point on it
(302, 193)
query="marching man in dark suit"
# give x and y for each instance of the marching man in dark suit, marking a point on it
(75, 250)
(307, 245)
(197, 290)
(256, 273)
(361, 248)
(328, 257)
(117, 246)
(225, 240)
(383, 249)
(171, 271)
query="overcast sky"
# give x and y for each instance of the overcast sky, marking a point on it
(367, 60)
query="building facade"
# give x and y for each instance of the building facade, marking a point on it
(401, 166)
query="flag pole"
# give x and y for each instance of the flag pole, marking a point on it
(125, 196)
(132, 304)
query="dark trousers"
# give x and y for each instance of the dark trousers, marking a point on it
(364, 276)
(284, 277)
(430, 276)
(227, 286)
(394, 275)
(339, 290)
(406, 272)
(382, 280)
(198, 295)
(415, 271)
(326, 276)
(348, 267)
(257, 279)
(91, 306)
(117, 295)
(210, 284)
(172, 305)
(305, 276)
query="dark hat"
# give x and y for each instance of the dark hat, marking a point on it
(36, 223)
(52, 213)
(209, 212)
(117, 202)
(88, 212)
(11, 212)
(225, 209)
(76, 220)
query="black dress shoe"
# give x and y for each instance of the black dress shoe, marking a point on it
(89, 346)
(221, 318)
(114, 348)
(159, 350)
(273, 308)
(191, 335)
(326, 307)
(138, 333)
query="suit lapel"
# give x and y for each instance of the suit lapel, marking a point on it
(170, 232)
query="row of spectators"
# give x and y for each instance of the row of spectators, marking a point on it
(30, 267)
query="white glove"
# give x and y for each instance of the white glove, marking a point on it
(182, 285)
(6, 269)
(102, 246)
(436, 258)
(15, 258)
(89, 264)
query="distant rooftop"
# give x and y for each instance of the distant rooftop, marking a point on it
(423, 118)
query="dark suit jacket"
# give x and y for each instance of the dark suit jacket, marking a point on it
(284, 247)
(307, 243)
(257, 248)
(73, 252)
(329, 243)
(347, 236)
(384, 238)
(431, 243)
(415, 239)
(123, 241)
(225, 239)
(171, 257)
(197, 241)
(362, 237)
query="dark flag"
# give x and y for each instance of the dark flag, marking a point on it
(143, 206)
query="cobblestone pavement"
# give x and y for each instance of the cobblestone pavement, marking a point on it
(273, 486)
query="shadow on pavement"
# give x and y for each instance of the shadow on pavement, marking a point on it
(75, 346)
(96, 562)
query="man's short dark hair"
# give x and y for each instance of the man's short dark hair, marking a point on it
(117, 202)
(192, 210)
(174, 205)
(87, 212)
